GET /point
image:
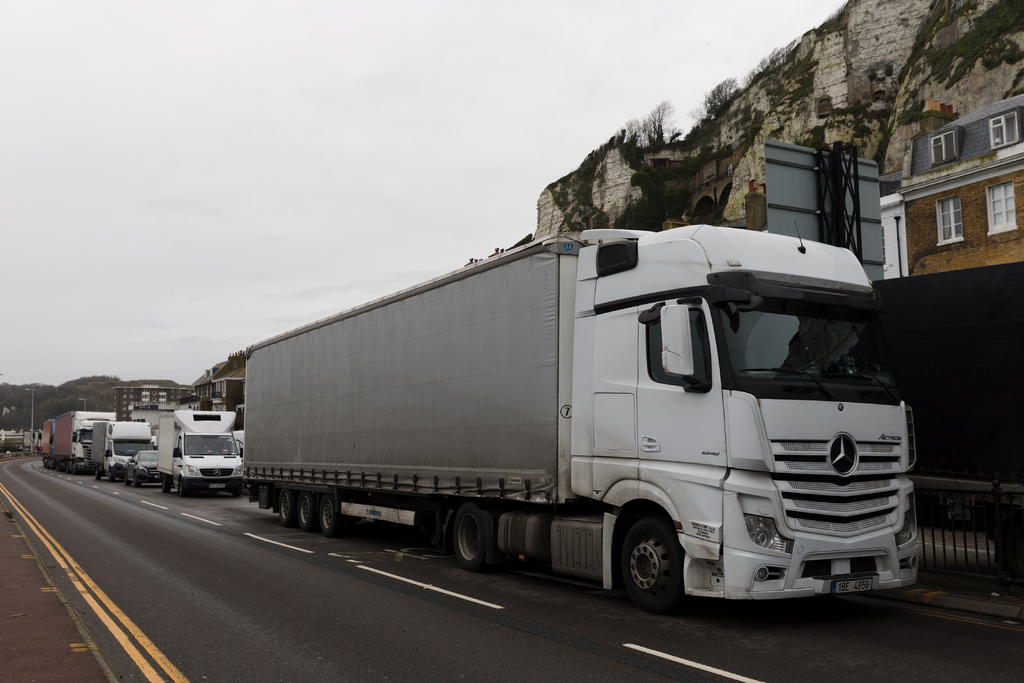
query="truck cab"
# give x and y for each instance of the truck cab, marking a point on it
(738, 382)
(117, 444)
(202, 454)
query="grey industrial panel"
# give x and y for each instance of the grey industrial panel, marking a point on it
(458, 380)
(792, 194)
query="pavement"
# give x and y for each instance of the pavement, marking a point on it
(41, 638)
(976, 595)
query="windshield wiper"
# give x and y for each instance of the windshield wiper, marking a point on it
(864, 375)
(797, 372)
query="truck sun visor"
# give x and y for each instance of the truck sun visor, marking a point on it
(784, 286)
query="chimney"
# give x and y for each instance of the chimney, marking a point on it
(936, 115)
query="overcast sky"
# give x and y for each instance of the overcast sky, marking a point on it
(179, 180)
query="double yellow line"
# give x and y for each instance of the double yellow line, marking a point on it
(94, 595)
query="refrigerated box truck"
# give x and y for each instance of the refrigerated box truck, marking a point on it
(197, 452)
(702, 411)
(73, 440)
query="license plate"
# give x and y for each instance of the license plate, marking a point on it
(217, 486)
(851, 586)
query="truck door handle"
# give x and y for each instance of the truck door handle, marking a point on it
(649, 444)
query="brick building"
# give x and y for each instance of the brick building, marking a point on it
(959, 190)
(222, 387)
(126, 398)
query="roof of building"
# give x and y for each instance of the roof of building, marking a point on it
(987, 111)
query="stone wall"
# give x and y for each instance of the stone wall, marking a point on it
(977, 248)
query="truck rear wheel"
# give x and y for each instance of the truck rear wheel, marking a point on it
(333, 524)
(165, 482)
(98, 473)
(309, 519)
(287, 507)
(474, 533)
(652, 565)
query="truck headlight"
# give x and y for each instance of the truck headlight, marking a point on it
(236, 471)
(192, 470)
(909, 529)
(764, 534)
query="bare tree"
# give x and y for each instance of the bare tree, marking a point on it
(655, 129)
(716, 101)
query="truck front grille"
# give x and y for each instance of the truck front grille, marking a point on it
(216, 472)
(815, 498)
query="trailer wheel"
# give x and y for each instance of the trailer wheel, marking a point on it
(652, 565)
(474, 533)
(333, 524)
(286, 504)
(308, 515)
(165, 482)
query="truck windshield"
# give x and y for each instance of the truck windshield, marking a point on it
(148, 458)
(85, 435)
(131, 447)
(783, 347)
(210, 444)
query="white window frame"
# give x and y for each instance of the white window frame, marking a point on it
(1007, 123)
(1004, 225)
(948, 149)
(954, 237)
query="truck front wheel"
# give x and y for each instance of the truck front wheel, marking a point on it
(286, 507)
(307, 511)
(652, 565)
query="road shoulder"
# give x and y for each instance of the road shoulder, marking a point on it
(41, 637)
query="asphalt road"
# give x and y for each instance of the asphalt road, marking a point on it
(201, 580)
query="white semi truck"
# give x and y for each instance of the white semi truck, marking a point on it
(113, 443)
(72, 440)
(197, 452)
(701, 411)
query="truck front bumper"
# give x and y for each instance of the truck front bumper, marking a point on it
(214, 483)
(821, 566)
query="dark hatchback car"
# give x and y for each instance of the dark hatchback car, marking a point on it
(141, 469)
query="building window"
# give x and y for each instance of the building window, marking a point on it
(1002, 214)
(944, 147)
(951, 228)
(1002, 130)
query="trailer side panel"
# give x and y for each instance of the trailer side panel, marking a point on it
(458, 382)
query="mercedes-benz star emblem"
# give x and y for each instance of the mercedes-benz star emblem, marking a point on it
(217, 472)
(842, 454)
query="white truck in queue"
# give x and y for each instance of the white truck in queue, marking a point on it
(197, 452)
(702, 411)
(114, 443)
(72, 440)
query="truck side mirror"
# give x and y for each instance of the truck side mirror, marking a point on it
(676, 343)
(177, 452)
(109, 453)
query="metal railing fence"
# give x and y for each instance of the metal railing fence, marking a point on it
(978, 532)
